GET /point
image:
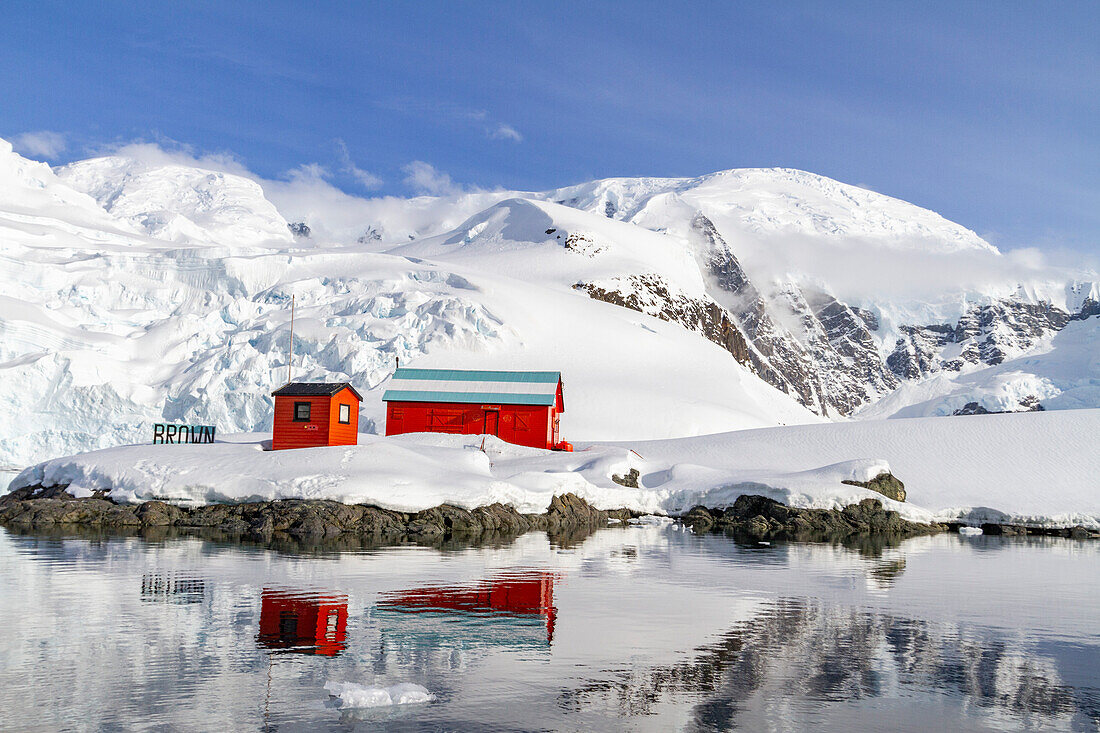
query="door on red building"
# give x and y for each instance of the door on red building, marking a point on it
(492, 422)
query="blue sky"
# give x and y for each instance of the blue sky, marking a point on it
(988, 113)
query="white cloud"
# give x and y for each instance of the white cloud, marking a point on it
(308, 173)
(366, 179)
(41, 144)
(506, 132)
(424, 178)
(307, 194)
(910, 270)
(170, 152)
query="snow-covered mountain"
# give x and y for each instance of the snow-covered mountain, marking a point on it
(180, 204)
(133, 292)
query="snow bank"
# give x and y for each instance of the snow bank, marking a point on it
(1038, 468)
(413, 472)
(353, 695)
(1033, 468)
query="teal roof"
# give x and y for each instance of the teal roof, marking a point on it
(473, 375)
(473, 386)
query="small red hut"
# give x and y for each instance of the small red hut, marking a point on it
(518, 407)
(311, 414)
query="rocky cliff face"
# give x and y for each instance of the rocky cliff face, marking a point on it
(986, 334)
(650, 294)
(825, 353)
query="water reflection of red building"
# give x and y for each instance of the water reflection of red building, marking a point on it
(307, 624)
(514, 594)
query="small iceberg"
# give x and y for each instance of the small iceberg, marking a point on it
(353, 695)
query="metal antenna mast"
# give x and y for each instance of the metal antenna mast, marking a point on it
(290, 357)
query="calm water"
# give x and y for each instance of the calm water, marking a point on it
(640, 628)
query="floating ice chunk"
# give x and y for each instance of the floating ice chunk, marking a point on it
(970, 531)
(353, 695)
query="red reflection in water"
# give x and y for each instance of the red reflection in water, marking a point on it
(520, 594)
(307, 624)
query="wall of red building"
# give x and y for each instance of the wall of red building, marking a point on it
(288, 433)
(341, 433)
(323, 428)
(529, 425)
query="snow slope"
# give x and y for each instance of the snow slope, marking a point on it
(179, 203)
(1032, 468)
(776, 201)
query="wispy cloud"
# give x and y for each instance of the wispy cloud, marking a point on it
(365, 178)
(308, 173)
(165, 151)
(40, 144)
(506, 132)
(481, 119)
(424, 178)
(307, 193)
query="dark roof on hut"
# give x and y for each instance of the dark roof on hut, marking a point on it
(315, 389)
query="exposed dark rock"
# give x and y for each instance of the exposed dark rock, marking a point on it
(885, 483)
(971, 408)
(370, 235)
(1082, 533)
(630, 480)
(701, 519)
(759, 517)
(1027, 404)
(1008, 530)
(569, 510)
(38, 507)
(1018, 530)
(650, 294)
(158, 514)
(299, 229)
(582, 244)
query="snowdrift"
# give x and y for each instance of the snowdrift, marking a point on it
(1030, 468)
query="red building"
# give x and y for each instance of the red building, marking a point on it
(311, 414)
(518, 407)
(303, 623)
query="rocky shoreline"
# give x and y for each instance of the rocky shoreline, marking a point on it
(761, 518)
(35, 506)
(751, 517)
